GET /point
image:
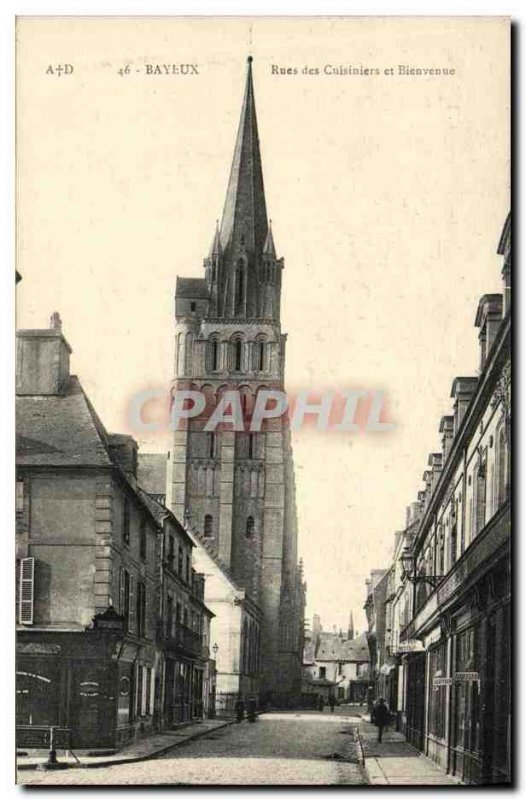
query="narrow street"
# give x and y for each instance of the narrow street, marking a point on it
(301, 748)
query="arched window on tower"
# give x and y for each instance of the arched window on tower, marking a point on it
(238, 355)
(214, 354)
(250, 527)
(208, 526)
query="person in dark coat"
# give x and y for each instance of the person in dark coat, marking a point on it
(381, 717)
(332, 702)
(321, 703)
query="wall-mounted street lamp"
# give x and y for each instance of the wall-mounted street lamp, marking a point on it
(408, 562)
(215, 648)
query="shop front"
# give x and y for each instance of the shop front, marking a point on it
(83, 685)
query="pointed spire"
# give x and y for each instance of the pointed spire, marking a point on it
(245, 215)
(269, 248)
(350, 632)
(215, 249)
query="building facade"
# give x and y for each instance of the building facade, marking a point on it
(236, 488)
(90, 574)
(336, 664)
(448, 622)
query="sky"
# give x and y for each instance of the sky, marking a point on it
(387, 194)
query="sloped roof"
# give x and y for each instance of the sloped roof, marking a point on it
(191, 287)
(60, 430)
(330, 647)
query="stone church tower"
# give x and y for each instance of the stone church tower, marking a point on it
(236, 489)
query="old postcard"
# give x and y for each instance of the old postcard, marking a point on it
(263, 401)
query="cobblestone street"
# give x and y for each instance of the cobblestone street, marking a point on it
(289, 748)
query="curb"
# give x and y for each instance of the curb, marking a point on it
(111, 762)
(361, 756)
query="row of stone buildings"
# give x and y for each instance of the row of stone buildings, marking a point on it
(154, 589)
(439, 624)
(113, 633)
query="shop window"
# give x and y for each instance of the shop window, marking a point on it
(437, 691)
(126, 521)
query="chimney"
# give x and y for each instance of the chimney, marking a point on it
(316, 625)
(446, 429)
(488, 319)
(42, 360)
(123, 450)
(415, 511)
(504, 249)
(462, 391)
(435, 462)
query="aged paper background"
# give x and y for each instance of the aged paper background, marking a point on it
(387, 194)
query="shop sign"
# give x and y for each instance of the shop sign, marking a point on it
(442, 681)
(466, 676)
(38, 648)
(411, 646)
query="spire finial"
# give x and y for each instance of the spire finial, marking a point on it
(250, 60)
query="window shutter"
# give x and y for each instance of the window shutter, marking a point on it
(27, 590)
(121, 591)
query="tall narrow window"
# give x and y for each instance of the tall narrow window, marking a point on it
(480, 497)
(126, 521)
(169, 615)
(125, 598)
(211, 445)
(250, 527)
(260, 356)
(141, 609)
(251, 445)
(453, 543)
(214, 354)
(171, 551)
(240, 285)
(501, 468)
(180, 561)
(238, 355)
(208, 526)
(142, 539)
(27, 591)
(19, 497)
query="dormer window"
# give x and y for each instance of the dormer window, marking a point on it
(192, 306)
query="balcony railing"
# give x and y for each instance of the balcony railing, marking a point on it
(182, 638)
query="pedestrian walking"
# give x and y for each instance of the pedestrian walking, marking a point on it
(332, 702)
(321, 703)
(381, 717)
